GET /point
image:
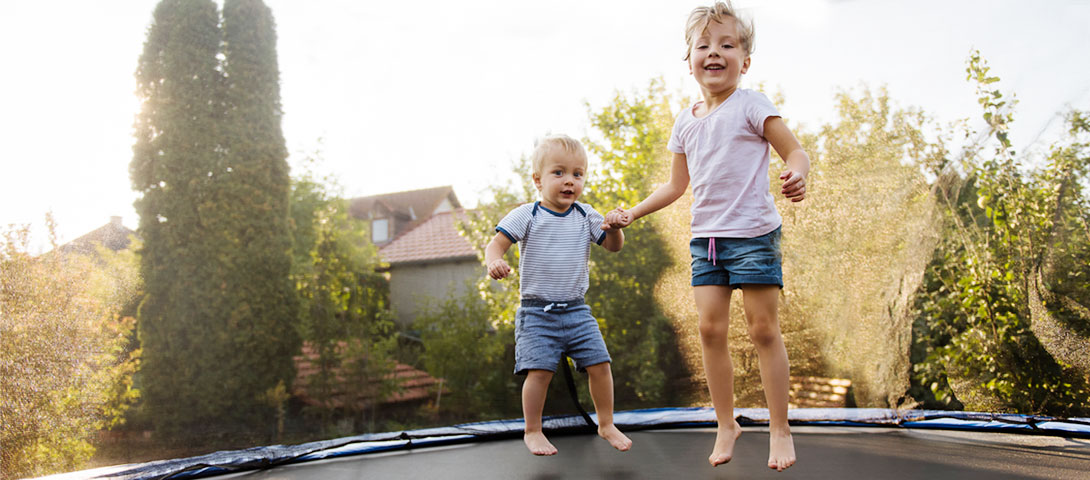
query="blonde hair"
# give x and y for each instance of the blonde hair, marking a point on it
(547, 144)
(702, 16)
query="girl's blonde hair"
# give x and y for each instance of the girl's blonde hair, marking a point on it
(720, 12)
(546, 144)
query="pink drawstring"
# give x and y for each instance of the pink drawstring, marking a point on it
(711, 250)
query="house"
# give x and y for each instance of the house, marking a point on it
(417, 236)
(113, 236)
(391, 214)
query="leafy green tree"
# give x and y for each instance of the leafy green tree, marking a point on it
(855, 249)
(648, 365)
(1003, 323)
(209, 165)
(64, 370)
(344, 313)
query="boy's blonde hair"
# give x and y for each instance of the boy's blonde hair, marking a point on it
(720, 12)
(552, 142)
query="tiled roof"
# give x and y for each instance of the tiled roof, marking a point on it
(435, 239)
(418, 203)
(413, 384)
(113, 236)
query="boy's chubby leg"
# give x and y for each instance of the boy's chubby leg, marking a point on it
(601, 392)
(534, 389)
(760, 303)
(713, 306)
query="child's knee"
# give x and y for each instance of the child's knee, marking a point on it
(764, 333)
(713, 332)
(599, 369)
(538, 376)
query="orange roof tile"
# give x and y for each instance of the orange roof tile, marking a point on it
(435, 239)
(413, 384)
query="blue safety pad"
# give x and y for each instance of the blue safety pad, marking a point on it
(270, 456)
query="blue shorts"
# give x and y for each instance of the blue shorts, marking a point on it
(546, 331)
(734, 262)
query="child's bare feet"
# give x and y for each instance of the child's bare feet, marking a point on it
(538, 444)
(724, 443)
(781, 450)
(615, 437)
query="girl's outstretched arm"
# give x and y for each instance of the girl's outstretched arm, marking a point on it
(666, 194)
(789, 149)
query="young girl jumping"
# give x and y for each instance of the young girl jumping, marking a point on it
(721, 146)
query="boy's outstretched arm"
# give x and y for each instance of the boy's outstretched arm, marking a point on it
(666, 194)
(789, 149)
(614, 240)
(493, 257)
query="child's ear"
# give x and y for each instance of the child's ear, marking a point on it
(745, 65)
(537, 181)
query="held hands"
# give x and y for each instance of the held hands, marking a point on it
(498, 269)
(617, 219)
(794, 185)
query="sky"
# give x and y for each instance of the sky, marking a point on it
(397, 96)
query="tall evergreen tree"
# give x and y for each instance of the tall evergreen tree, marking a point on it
(254, 203)
(209, 163)
(175, 149)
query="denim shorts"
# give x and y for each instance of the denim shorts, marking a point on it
(545, 331)
(734, 262)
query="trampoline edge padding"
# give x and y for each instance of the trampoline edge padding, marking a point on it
(691, 417)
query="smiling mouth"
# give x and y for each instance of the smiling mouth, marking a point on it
(567, 192)
(715, 67)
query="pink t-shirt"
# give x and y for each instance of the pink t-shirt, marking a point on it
(728, 158)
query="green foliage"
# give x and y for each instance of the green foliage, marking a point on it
(854, 248)
(648, 366)
(1016, 234)
(209, 165)
(469, 344)
(65, 372)
(344, 313)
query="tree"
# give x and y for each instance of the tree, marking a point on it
(252, 210)
(1003, 319)
(855, 249)
(344, 313)
(64, 370)
(625, 291)
(209, 165)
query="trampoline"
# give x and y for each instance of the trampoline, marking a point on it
(672, 443)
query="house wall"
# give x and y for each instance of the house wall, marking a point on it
(414, 286)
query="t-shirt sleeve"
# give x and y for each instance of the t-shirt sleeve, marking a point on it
(595, 221)
(758, 109)
(514, 225)
(675, 145)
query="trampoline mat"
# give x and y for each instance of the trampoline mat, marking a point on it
(822, 451)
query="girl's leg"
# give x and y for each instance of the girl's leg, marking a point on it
(601, 391)
(713, 305)
(534, 389)
(761, 303)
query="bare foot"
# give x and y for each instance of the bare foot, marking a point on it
(781, 450)
(538, 444)
(615, 437)
(724, 443)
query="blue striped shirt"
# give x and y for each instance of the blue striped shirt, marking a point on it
(554, 249)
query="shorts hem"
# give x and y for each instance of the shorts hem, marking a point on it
(527, 368)
(739, 280)
(583, 367)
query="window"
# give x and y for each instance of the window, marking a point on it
(380, 230)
